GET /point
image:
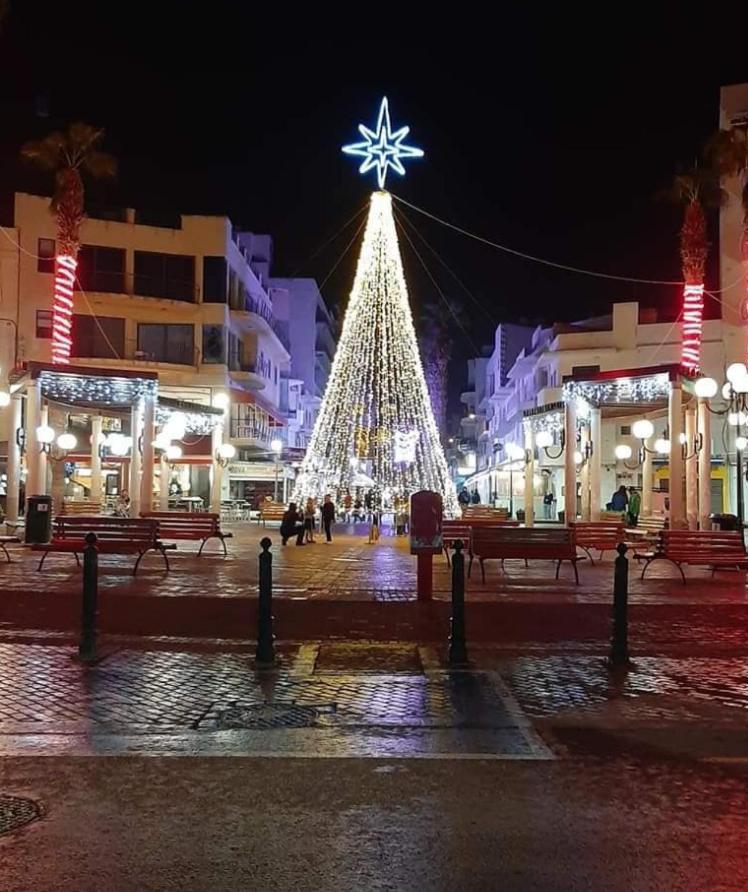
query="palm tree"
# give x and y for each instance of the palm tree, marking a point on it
(696, 188)
(436, 339)
(68, 155)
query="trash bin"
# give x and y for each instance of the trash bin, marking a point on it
(38, 519)
(725, 522)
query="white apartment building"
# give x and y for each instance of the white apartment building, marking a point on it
(626, 339)
(311, 334)
(187, 304)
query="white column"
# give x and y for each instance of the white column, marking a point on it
(675, 423)
(96, 493)
(34, 467)
(647, 479)
(529, 476)
(595, 463)
(163, 489)
(149, 433)
(570, 469)
(584, 477)
(705, 466)
(136, 431)
(14, 459)
(43, 463)
(216, 471)
(692, 509)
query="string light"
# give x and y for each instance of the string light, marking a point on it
(376, 396)
(79, 389)
(647, 389)
(62, 308)
(693, 313)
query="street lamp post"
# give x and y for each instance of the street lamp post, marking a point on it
(277, 446)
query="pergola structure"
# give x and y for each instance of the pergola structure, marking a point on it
(575, 425)
(131, 396)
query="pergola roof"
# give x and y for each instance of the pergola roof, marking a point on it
(622, 388)
(91, 388)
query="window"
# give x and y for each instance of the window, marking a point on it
(625, 430)
(171, 276)
(45, 249)
(167, 343)
(214, 346)
(44, 323)
(102, 337)
(214, 280)
(101, 269)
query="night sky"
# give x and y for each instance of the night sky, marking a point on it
(547, 132)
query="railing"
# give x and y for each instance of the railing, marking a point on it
(252, 305)
(137, 285)
(241, 431)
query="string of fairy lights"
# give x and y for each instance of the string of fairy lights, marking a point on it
(376, 429)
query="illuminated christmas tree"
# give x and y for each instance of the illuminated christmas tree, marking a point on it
(376, 432)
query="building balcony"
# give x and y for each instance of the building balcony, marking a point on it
(324, 342)
(261, 316)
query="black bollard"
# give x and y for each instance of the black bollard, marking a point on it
(457, 646)
(87, 644)
(619, 642)
(265, 653)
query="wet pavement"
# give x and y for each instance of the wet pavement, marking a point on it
(233, 824)
(175, 702)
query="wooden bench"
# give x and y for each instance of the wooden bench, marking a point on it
(502, 541)
(646, 534)
(116, 535)
(600, 535)
(194, 527)
(8, 540)
(272, 511)
(452, 531)
(77, 507)
(701, 548)
(484, 512)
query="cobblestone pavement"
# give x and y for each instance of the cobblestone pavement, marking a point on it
(187, 702)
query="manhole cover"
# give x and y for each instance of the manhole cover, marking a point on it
(15, 812)
(266, 716)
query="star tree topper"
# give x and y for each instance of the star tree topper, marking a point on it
(383, 148)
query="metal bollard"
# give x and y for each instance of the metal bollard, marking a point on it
(457, 647)
(87, 643)
(265, 653)
(619, 642)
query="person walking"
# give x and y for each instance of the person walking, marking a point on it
(310, 513)
(292, 525)
(475, 498)
(328, 517)
(347, 505)
(464, 497)
(635, 502)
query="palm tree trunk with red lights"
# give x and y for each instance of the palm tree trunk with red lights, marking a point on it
(66, 155)
(693, 251)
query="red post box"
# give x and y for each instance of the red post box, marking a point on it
(426, 539)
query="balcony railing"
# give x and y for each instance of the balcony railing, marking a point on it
(138, 285)
(241, 431)
(252, 305)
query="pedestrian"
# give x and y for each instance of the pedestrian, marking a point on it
(620, 499)
(122, 508)
(475, 497)
(328, 517)
(635, 501)
(464, 497)
(548, 500)
(368, 504)
(292, 525)
(357, 510)
(374, 528)
(347, 505)
(310, 513)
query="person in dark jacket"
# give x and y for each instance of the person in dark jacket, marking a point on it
(328, 517)
(292, 525)
(475, 499)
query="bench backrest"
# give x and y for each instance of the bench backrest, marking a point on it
(483, 511)
(597, 532)
(176, 521)
(493, 520)
(80, 507)
(121, 528)
(272, 509)
(695, 542)
(522, 541)
(654, 523)
(452, 530)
